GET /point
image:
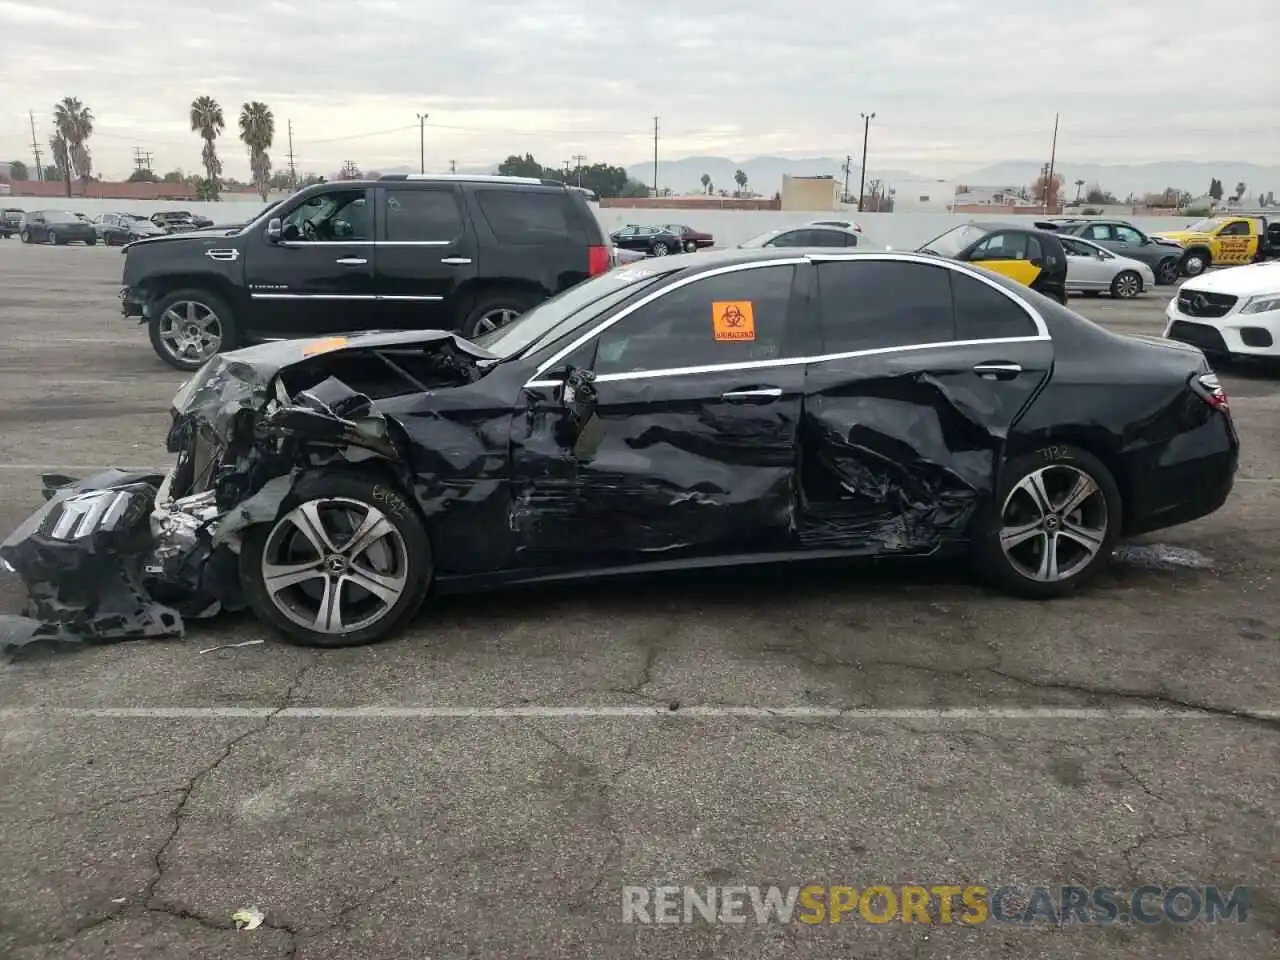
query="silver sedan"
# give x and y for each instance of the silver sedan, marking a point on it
(1092, 270)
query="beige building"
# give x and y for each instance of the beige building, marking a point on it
(810, 193)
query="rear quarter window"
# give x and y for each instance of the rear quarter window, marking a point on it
(528, 217)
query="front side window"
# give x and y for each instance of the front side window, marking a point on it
(525, 216)
(792, 238)
(328, 217)
(1002, 246)
(1237, 228)
(422, 216)
(1128, 235)
(954, 241)
(736, 317)
(1075, 248)
(1098, 232)
(875, 304)
(985, 313)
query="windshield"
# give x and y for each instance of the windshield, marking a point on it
(755, 243)
(1208, 225)
(567, 311)
(954, 240)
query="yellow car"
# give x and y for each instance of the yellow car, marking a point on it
(1224, 241)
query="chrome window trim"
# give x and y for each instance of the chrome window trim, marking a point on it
(851, 254)
(342, 296)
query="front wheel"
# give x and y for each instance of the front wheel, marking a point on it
(52, 237)
(660, 249)
(1195, 263)
(347, 562)
(1167, 271)
(691, 247)
(24, 235)
(1126, 285)
(187, 327)
(1053, 524)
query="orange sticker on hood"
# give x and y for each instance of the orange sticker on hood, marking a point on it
(733, 320)
(324, 346)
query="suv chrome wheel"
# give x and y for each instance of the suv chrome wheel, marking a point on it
(1053, 523)
(190, 331)
(335, 565)
(494, 319)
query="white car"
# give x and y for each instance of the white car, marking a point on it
(1093, 269)
(1229, 313)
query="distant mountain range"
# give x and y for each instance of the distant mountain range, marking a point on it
(764, 174)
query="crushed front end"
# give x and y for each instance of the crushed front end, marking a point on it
(123, 555)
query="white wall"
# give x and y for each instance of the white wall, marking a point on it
(729, 227)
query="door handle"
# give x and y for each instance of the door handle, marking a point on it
(998, 370)
(351, 261)
(456, 260)
(758, 393)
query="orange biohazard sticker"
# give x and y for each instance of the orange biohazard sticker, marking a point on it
(733, 320)
(324, 346)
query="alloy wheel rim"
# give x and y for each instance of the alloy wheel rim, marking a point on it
(335, 565)
(1053, 523)
(53, 237)
(1194, 265)
(1127, 286)
(495, 319)
(1169, 271)
(190, 330)
(659, 249)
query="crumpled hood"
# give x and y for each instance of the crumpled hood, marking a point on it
(1183, 237)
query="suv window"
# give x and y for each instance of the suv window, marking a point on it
(984, 313)
(422, 216)
(1001, 246)
(1127, 234)
(525, 216)
(883, 303)
(1098, 232)
(333, 216)
(735, 317)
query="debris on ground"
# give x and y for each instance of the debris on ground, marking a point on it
(248, 918)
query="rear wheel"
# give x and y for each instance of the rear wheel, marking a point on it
(660, 249)
(52, 237)
(1126, 285)
(690, 246)
(347, 562)
(494, 311)
(1053, 524)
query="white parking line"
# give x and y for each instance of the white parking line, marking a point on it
(613, 713)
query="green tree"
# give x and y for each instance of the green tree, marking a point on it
(61, 160)
(208, 121)
(706, 182)
(52, 173)
(74, 123)
(526, 166)
(173, 176)
(18, 170)
(740, 178)
(258, 130)
(1095, 194)
(308, 179)
(143, 176)
(1215, 189)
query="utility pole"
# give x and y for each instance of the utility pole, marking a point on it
(293, 171)
(141, 159)
(35, 145)
(655, 156)
(848, 165)
(577, 159)
(866, 131)
(1053, 155)
(453, 166)
(422, 142)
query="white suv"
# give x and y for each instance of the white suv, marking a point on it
(1227, 313)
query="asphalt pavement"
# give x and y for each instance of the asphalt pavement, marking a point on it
(488, 784)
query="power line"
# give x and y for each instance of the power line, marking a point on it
(35, 145)
(577, 159)
(866, 132)
(293, 170)
(655, 156)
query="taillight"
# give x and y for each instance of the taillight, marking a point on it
(1209, 389)
(597, 260)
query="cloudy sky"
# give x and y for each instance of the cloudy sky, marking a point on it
(954, 83)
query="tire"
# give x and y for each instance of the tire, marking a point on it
(1018, 570)
(24, 235)
(342, 500)
(1195, 262)
(1167, 270)
(52, 237)
(691, 247)
(659, 249)
(494, 310)
(161, 319)
(91, 243)
(1126, 285)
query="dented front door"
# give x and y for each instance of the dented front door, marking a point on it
(690, 446)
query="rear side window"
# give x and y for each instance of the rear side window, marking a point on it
(527, 216)
(877, 304)
(985, 313)
(422, 216)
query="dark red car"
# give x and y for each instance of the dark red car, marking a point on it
(690, 239)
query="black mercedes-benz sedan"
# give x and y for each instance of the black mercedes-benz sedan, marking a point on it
(690, 411)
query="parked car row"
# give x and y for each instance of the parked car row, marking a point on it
(661, 240)
(114, 229)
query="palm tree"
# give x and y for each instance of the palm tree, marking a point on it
(257, 130)
(740, 178)
(706, 183)
(61, 160)
(74, 123)
(207, 120)
(1079, 187)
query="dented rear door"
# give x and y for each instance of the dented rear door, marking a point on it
(924, 370)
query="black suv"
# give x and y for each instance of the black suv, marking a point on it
(10, 222)
(460, 253)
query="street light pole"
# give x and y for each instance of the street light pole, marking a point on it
(866, 130)
(422, 142)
